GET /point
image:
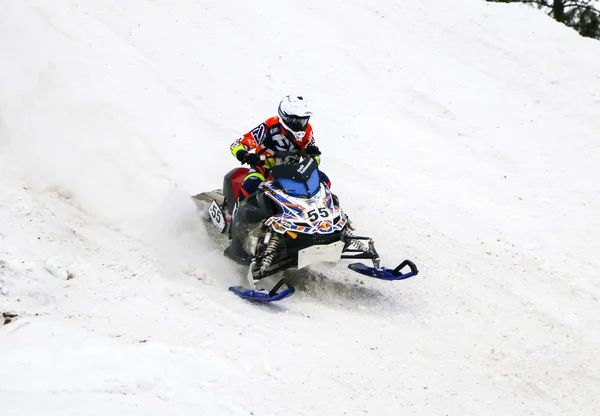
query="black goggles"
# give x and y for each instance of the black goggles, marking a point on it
(296, 123)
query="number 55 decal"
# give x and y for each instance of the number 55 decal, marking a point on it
(217, 216)
(314, 214)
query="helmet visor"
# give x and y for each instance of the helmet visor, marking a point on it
(296, 123)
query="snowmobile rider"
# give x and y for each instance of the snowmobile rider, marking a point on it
(287, 132)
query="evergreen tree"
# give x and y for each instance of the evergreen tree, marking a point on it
(582, 15)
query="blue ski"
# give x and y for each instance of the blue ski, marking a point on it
(386, 274)
(261, 295)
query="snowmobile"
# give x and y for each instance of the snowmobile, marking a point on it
(292, 221)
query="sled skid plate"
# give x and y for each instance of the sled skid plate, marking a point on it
(386, 274)
(320, 252)
(262, 295)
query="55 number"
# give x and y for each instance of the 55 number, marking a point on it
(215, 212)
(314, 214)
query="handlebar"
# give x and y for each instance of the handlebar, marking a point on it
(281, 155)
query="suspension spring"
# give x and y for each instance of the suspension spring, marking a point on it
(271, 252)
(364, 244)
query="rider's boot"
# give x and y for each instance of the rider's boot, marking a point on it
(236, 253)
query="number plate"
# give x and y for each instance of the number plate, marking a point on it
(217, 217)
(322, 252)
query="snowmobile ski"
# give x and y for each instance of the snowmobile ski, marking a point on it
(386, 274)
(263, 296)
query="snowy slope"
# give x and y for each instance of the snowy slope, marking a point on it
(462, 135)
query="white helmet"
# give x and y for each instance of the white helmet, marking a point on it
(294, 113)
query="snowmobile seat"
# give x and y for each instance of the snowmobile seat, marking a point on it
(232, 183)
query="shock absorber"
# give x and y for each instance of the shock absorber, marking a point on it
(356, 242)
(270, 251)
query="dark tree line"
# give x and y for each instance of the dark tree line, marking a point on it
(582, 15)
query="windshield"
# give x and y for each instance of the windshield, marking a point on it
(295, 188)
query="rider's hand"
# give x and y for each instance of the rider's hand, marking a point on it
(312, 150)
(250, 158)
(241, 155)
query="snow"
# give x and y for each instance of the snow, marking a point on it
(462, 135)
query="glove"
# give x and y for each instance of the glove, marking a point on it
(312, 150)
(250, 158)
